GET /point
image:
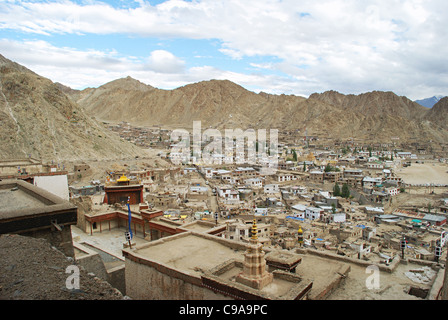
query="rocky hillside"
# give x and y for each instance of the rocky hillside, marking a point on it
(31, 269)
(217, 103)
(221, 103)
(439, 113)
(384, 114)
(37, 118)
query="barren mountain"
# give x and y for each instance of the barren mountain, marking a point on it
(38, 119)
(439, 113)
(429, 102)
(221, 103)
(384, 114)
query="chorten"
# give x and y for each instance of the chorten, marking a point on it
(254, 272)
(300, 236)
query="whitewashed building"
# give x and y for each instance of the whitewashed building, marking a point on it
(370, 182)
(255, 183)
(298, 210)
(313, 213)
(271, 188)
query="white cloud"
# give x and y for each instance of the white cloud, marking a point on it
(165, 62)
(348, 45)
(83, 68)
(79, 69)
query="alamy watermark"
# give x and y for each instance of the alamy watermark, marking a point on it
(235, 146)
(373, 281)
(72, 281)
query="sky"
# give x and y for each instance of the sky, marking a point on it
(276, 46)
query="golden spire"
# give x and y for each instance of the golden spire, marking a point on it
(123, 178)
(300, 235)
(254, 230)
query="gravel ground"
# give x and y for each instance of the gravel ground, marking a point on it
(31, 269)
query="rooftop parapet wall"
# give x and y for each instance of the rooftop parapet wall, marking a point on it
(215, 280)
(390, 268)
(48, 202)
(29, 210)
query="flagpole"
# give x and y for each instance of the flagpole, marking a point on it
(129, 223)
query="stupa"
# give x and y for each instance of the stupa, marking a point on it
(254, 272)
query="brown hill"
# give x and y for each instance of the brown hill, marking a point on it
(384, 114)
(39, 120)
(373, 103)
(221, 103)
(439, 113)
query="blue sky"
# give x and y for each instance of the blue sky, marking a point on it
(289, 46)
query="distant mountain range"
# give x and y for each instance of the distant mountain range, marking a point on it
(429, 102)
(51, 121)
(372, 116)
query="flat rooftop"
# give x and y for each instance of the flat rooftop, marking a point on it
(20, 198)
(280, 288)
(17, 199)
(24, 206)
(201, 255)
(191, 254)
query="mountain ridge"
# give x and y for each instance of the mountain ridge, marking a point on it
(38, 119)
(51, 121)
(224, 104)
(429, 102)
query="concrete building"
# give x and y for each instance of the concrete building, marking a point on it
(313, 213)
(271, 188)
(316, 176)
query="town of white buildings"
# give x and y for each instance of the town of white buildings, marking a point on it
(344, 197)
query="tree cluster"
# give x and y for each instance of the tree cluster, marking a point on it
(344, 193)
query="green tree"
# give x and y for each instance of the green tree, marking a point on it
(345, 191)
(336, 190)
(329, 168)
(304, 166)
(333, 208)
(294, 155)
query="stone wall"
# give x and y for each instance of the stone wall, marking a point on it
(117, 278)
(390, 268)
(91, 261)
(159, 282)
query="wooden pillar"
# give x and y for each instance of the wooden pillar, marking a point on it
(101, 229)
(109, 225)
(91, 230)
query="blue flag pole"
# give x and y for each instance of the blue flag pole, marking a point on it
(129, 218)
